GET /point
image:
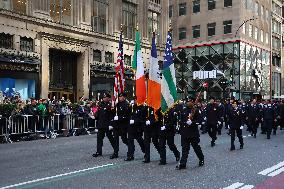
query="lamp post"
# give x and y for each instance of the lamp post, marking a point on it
(251, 19)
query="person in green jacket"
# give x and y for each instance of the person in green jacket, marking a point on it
(42, 112)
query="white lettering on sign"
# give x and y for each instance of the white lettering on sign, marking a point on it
(205, 74)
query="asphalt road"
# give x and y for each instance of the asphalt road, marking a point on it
(68, 163)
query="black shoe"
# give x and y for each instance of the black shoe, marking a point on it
(179, 167)
(219, 132)
(201, 163)
(268, 137)
(129, 159)
(232, 148)
(97, 154)
(113, 156)
(178, 158)
(274, 132)
(242, 146)
(254, 135)
(212, 143)
(162, 163)
(146, 161)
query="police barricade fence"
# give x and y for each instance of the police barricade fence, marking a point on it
(27, 127)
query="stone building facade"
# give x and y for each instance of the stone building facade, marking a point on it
(236, 38)
(67, 48)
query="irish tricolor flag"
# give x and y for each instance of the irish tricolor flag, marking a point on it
(138, 66)
(154, 82)
(168, 84)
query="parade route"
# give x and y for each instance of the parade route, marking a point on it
(67, 163)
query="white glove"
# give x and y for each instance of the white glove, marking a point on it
(131, 102)
(199, 126)
(163, 128)
(205, 118)
(228, 126)
(242, 127)
(115, 118)
(110, 127)
(131, 122)
(219, 122)
(203, 123)
(148, 122)
(189, 122)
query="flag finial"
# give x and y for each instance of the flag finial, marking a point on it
(137, 27)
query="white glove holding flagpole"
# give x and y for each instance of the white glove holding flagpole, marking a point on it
(110, 128)
(242, 127)
(189, 122)
(148, 122)
(115, 118)
(131, 122)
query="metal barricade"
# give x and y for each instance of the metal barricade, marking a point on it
(4, 130)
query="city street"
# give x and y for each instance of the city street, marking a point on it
(68, 163)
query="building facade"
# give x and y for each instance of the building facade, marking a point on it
(67, 48)
(227, 47)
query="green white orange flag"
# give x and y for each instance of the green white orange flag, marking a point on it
(154, 82)
(138, 65)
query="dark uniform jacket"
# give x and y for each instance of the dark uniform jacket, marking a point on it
(123, 113)
(104, 115)
(138, 114)
(253, 111)
(213, 114)
(150, 115)
(235, 118)
(268, 112)
(167, 123)
(190, 131)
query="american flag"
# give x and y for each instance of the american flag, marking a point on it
(119, 83)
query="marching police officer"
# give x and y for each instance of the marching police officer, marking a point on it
(120, 122)
(104, 116)
(221, 108)
(213, 118)
(268, 116)
(190, 135)
(167, 125)
(236, 125)
(135, 128)
(151, 133)
(253, 113)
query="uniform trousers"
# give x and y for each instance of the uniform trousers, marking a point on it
(185, 144)
(170, 140)
(120, 131)
(233, 136)
(131, 145)
(100, 137)
(148, 138)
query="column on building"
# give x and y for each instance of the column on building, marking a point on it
(81, 13)
(44, 76)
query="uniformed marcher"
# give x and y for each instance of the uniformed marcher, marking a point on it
(221, 108)
(253, 113)
(104, 117)
(167, 125)
(190, 135)
(135, 128)
(268, 116)
(236, 125)
(213, 118)
(151, 133)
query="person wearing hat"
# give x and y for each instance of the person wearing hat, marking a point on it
(268, 117)
(121, 121)
(236, 125)
(190, 135)
(135, 128)
(213, 118)
(253, 116)
(104, 116)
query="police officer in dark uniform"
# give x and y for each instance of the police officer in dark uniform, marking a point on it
(167, 125)
(281, 114)
(268, 116)
(253, 113)
(151, 133)
(135, 128)
(221, 108)
(120, 122)
(190, 135)
(104, 116)
(236, 125)
(213, 118)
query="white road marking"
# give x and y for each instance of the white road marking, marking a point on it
(271, 169)
(235, 185)
(277, 172)
(244, 136)
(56, 176)
(247, 187)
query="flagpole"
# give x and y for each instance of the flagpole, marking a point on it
(133, 90)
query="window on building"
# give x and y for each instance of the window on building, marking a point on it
(129, 19)
(267, 38)
(276, 8)
(109, 57)
(196, 31)
(211, 4)
(211, 29)
(6, 41)
(261, 36)
(156, 1)
(182, 9)
(60, 11)
(127, 60)
(256, 33)
(97, 56)
(244, 28)
(262, 11)
(196, 6)
(257, 8)
(250, 31)
(171, 11)
(100, 15)
(153, 23)
(26, 44)
(227, 3)
(182, 33)
(267, 15)
(227, 26)
(18, 6)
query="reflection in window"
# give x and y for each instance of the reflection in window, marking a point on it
(60, 11)
(129, 19)
(100, 15)
(153, 23)
(97, 55)
(109, 57)
(6, 41)
(26, 44)
(20, 6)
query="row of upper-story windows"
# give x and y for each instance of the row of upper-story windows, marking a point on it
(211, 30)
(276, 9)
(276, 26)
(156, 1)
(256, 33)
(182, 7)
(7, 42)
(258, 9)
(109, 58)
